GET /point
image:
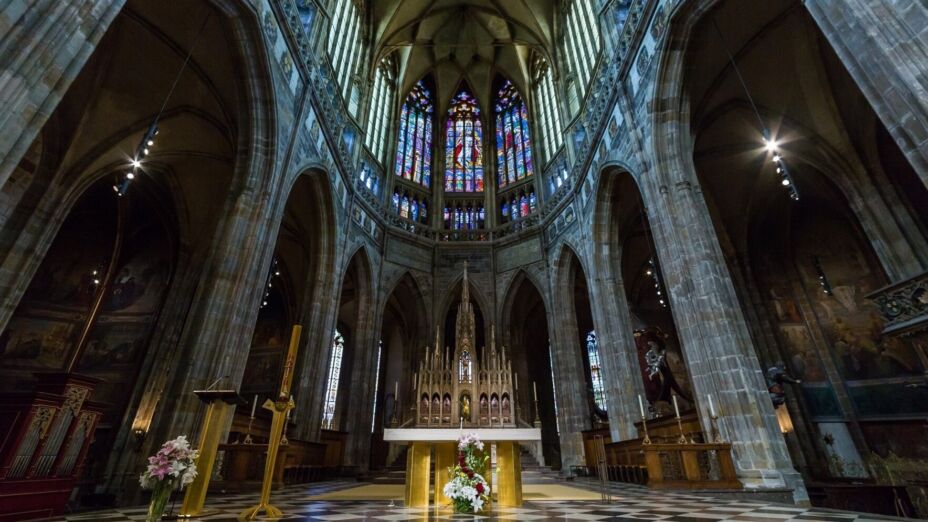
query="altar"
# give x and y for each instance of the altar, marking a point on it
(468, 389)
(422, 441)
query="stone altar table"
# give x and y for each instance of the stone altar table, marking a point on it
(422, 440)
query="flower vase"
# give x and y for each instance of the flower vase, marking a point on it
(159, 500)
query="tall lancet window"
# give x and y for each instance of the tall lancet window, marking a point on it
(596, 373)
(513, 146)
(547, 109)
(465, 367)
(381, 110)
(331, 386)
(346, 49)
(464, 145)
(414, 140)
(580, 47)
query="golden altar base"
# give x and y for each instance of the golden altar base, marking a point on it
(421, 441)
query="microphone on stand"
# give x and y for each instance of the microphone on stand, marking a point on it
(210, 387)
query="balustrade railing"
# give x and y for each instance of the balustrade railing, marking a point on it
(904, 305)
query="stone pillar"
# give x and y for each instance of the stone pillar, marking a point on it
(218, 330)
(570, 382)
(617, 352)
(884, 45)
(359, 389)
(44, 46)
(715, 340)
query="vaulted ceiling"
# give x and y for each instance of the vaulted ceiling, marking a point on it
(462, 40)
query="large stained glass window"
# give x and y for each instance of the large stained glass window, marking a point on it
(464, 146)
(596, 372)
(331, 386)
(414, 140)
(513, 146)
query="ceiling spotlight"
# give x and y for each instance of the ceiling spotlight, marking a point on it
(145, 151)
(136, 163)
(649, 272)
(130, 175)
(785, 182)
(115, 189)
(776, 158)
(96, 281)
(150, 142)
(771, 145)
(277, 273)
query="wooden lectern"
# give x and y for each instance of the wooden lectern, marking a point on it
(220, 404)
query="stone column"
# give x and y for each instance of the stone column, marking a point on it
(715, 340)
(44, 45)
(359, 389)
(884, 45)
(573, 409)
(617, 352)
(218, 330)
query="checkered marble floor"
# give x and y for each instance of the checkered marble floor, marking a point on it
(628, 503)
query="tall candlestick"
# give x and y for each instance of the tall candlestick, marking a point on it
(676, 408)
(711, 406)
(535, 391)
(254, 404)
(641, 405)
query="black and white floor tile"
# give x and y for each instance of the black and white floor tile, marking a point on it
(628, 503)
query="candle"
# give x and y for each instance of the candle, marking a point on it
(711, 406)
(641, 405)
(535, 391)
(462, 423)
(415, 379)
(254, 404)
(517, 381)
(396, 390)
(676, 408)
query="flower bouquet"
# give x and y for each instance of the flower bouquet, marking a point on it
(467, 488)
(174, 464)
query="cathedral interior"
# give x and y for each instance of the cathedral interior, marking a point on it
(703, 218)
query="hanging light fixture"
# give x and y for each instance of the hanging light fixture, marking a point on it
(652, 271)
(272, 273)
(770, 143)
(822, 278)
(147, 143)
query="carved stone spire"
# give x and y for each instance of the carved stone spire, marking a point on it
(465, 291)
(464, 326)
